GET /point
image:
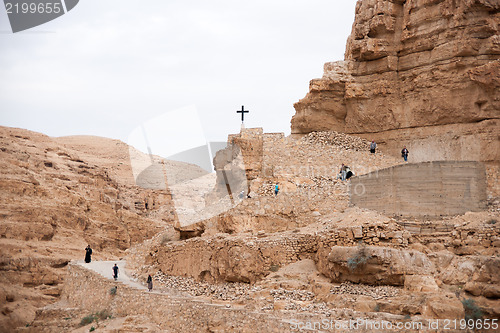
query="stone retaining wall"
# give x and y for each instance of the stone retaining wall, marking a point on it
(422, 189)
(233, 259)
(251, 257)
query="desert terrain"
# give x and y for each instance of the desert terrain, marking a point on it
(414, 245)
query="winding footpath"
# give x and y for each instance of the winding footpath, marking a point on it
(105, 268)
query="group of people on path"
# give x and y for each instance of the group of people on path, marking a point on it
(345, 173)
(115, 269)
(404, 152)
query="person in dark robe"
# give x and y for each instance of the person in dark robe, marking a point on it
(404, 153)
(115, 272)
(348, 173)
(150, 282)
(88, 254)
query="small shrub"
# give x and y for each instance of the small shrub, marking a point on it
(359, 258)
(376, 308)
(407, 317)
(274, 268)
(472, 311)
(112, 291)
(101, 315)
(492, 221)
(87, 320)
(92, 329)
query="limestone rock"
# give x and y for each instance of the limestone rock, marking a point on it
(443, 306)
(372, 265)
(57, 198)
(486, 281)
(419, 73)
(421, 283)
(479, 274)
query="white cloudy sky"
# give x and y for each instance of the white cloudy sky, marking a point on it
(108, 66)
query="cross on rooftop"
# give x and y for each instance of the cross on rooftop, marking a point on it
(242, 111)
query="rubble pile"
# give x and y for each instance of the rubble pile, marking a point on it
(341, 140)
(376, 292)
(224, 291)
(318, 308)
(266, 189)
(296, 295)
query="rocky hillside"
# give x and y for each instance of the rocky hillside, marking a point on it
(307, 251)
(116, 156)
(57, 196)
(424, 74)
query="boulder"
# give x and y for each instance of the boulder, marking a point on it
(372, 264)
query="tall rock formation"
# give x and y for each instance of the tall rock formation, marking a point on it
(420, 73)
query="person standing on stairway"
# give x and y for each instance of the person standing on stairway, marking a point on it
(373, 146)
(115, 272)
(404, 153)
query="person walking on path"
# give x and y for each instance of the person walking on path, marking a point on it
(341, 174)
(373, 145)
(150, 282)
(343, 171)
(404, 153)
(88, 254)
(115, 272)
(276, 189)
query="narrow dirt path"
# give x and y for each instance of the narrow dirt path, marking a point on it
(105, 268)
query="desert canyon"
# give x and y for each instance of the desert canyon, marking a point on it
(420, 243)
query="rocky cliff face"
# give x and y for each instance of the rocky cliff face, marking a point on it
(54, 200)
(425, 74)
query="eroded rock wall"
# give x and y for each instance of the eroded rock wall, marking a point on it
(425, 74)
(53, 203)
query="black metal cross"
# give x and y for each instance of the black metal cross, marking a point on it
(242, 111)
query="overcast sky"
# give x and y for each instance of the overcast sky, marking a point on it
(108, 66)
